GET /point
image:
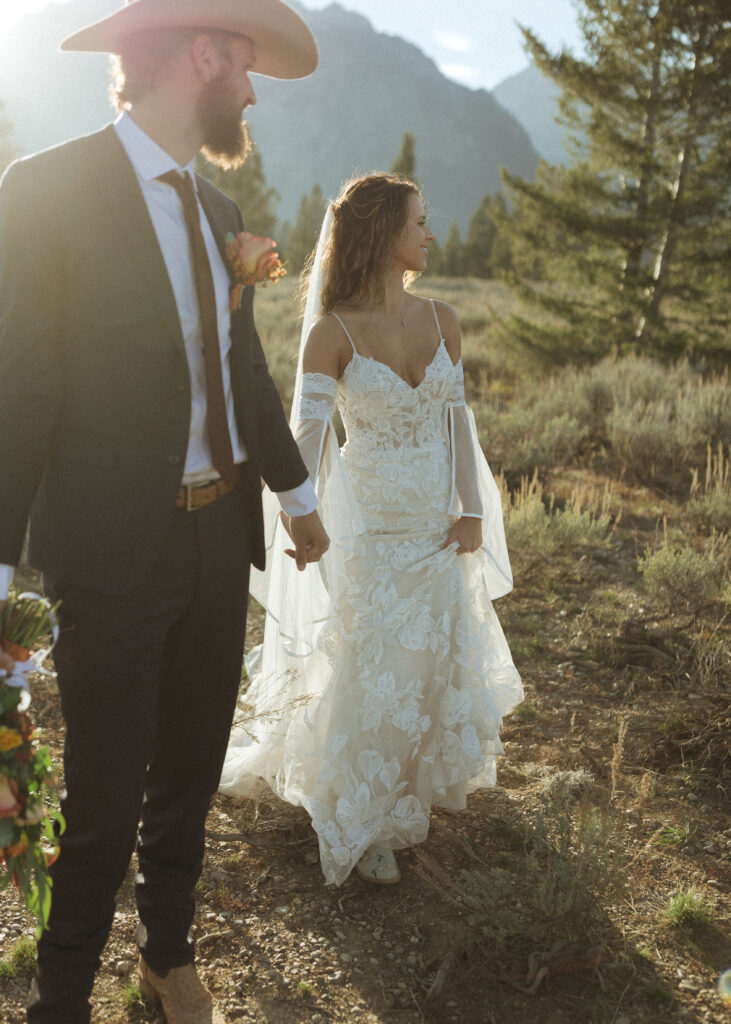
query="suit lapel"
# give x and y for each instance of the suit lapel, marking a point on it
(126, 206)
(219, 228)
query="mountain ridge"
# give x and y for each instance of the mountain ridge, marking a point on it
(346, 118)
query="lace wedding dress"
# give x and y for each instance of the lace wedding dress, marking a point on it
(380, 686)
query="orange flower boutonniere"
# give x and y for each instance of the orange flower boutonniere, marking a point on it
(253, 259)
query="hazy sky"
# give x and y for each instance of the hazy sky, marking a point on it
(476, 42)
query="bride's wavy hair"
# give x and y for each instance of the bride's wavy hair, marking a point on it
(369, 214)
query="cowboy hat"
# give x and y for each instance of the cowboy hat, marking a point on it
(285, 47)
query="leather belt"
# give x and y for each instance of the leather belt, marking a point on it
(194, 496)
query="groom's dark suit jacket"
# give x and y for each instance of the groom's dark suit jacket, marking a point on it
(94, 382)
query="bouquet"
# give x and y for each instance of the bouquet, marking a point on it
(28, 843)
(253, 259)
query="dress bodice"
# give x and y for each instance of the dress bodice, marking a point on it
(380, 411)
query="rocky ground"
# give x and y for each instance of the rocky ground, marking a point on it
(557, 898)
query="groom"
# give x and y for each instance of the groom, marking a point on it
(137, 416)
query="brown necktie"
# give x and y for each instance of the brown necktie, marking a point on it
(216, 419)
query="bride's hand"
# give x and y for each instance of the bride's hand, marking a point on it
(467, 531)
(309, 538)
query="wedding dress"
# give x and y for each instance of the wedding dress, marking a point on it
(381, 683)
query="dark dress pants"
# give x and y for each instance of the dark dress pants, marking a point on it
(148, 684)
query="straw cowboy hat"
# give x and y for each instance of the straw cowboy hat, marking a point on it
(285, 47)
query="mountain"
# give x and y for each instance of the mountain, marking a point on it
(348, 117)
(532, 98)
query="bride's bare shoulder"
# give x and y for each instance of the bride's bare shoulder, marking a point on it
(327, 349)
(449, 327)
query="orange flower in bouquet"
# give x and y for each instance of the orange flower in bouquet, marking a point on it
(254, 259)
(28, 842)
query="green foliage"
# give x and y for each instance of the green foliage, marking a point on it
(568, 862)
(535, 530)
(302, 238)
(454, 263)
(405, 162)
(133, 996)
(633, 236)
(710, 502)
(21, 962)
(248, 188)
(676, 835)
(487, 250)
(688, 908)
(524, 438)
(682, 578)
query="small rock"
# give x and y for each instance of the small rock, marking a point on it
(281, 910)
(346, 958)
(689, 986)
(122, 968)
(692, 798)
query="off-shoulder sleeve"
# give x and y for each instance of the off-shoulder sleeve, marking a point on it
(299, 602)
(474, 491)
(466, 499)
(317, 403)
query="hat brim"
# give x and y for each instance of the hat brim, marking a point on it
(284, 45)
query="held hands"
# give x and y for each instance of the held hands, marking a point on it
(467, 531)
(308, 536)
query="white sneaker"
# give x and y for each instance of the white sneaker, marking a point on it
(378, 864)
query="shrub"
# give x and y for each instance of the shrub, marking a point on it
(683, 578)
(710, 501)
(533, 528)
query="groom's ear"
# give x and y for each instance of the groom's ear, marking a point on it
(206, 57)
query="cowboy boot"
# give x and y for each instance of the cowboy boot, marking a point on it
(184, 997)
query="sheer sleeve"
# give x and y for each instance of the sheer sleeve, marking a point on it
(298, 603)
(317, 403)
(474, 491)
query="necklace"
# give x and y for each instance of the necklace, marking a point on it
(401, 319)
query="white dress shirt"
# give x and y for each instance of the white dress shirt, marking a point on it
(166, 212)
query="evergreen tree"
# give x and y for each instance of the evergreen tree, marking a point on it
(303, 236)
(435, 263)
(501, 252)
(633, 236)
(405, 162)
(453, 260)
(247, 186)
(481, 238)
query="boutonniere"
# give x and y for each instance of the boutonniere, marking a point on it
(253, 259)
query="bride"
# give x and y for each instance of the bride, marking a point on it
(380, 686)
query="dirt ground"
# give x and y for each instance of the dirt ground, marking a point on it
(489, 899)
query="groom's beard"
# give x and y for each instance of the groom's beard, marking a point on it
(226, 141)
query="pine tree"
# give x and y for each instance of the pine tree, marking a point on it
(453, 258)
(405, 162)
(247, 186)
(435, 262)
(633, 236)
(303, 236)
(481, 238)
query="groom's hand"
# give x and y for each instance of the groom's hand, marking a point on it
(6, 662)
(309, 538)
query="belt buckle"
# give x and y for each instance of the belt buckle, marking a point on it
(189, 507)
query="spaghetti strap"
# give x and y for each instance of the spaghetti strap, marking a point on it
(436, 318)
(347, 332)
